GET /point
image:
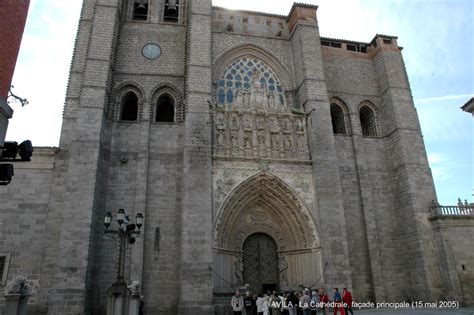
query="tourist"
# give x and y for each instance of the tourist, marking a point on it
(324, 300)
(266, 305)
(254, 304)
(338, 302)
(275, 304)
(347, 300)
(237, 303)
(299, 310)
(260, 302)
(314, 302)
(248, 303)
(284, 302)
(305, 302)
(292, 301)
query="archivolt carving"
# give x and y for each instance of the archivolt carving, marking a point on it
(285, 217)
(258, 227)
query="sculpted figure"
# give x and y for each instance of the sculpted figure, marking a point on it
(18, 285)
(238, 270)
(220, 120)
(283, 268)
(134, 287)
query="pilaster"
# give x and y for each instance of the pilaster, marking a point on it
(78, 185)
(196, 291)
(413, 183)
(313, 97)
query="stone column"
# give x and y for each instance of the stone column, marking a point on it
(196, 293)
(313, 98)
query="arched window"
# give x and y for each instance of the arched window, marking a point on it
(171, 12)
(368, 122)
(165, 108)
(140, 10)
(129, 107)
(245, 74)
(337, 118)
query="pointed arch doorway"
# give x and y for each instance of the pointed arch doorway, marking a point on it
(260, 263)
(264, 204)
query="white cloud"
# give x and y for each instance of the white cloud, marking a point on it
(443, 98)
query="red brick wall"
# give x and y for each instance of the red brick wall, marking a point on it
(13, 15)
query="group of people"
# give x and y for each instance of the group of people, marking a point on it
(304, 302)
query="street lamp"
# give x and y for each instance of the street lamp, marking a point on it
(125, 234)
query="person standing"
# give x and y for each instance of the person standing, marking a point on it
(237, 303)
(275, 304)
(347, 300)
(338, 302)
(248, 301)
(305, 302)
(260, 302)
(266, 305)
(284, 302)
(254, 304)
(292, 302)
(324, 299)
(314, 303)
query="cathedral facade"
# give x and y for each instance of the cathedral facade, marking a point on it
(259, 153)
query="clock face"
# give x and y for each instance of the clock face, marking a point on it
(151, 51)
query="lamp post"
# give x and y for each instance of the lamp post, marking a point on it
(126, 233)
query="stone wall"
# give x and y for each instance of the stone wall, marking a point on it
(453, 237)
(23, 217)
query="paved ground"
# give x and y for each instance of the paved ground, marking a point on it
(415, 312)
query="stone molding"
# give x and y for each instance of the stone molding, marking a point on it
(286, 219)
(222, 61)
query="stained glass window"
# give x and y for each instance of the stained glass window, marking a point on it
(248, 74)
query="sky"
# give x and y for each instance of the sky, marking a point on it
(438, 41)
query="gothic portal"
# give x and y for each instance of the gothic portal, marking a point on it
(259, 153)
(260, 263)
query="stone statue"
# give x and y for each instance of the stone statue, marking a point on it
(260, 122)
(220, 121)
(271, 100)
(299, 125)
(18, 285)
(288, 143)
(274, 125)
(283, 269)
(134, 288)
(220, 138)
(248, 122)
(238, 269)
(239, 99)
(234, 124)
(248, 140)
(287, 124)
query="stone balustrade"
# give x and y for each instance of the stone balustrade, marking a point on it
(452, 210)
